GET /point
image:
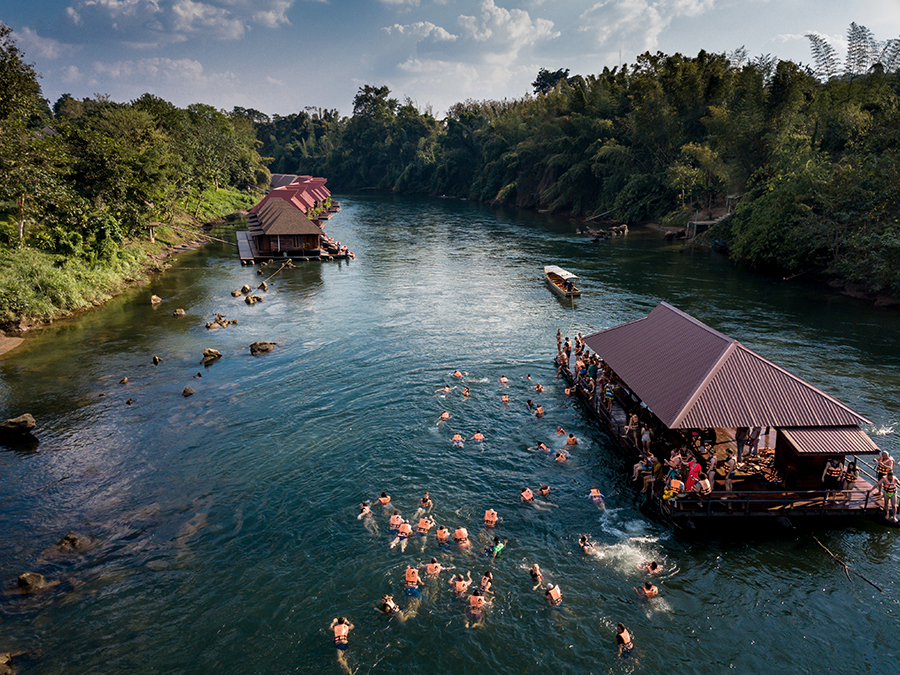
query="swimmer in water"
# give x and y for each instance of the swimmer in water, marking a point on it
(553, 595)
(444, 417)
(526, 495)
(395, 522)
(460, 374)
(597, 497)
(475, 612)
(505, 398)
(446, 389)
(585, 544)
(458, 440)
(402, 538)
(537, 577)
(384, 500)
(503, 380)
(651, 567)
(529, 404)
(571, 440)
(341, 627)
(561, 455)
(528, 377)
(368, 518)
(544, 490)
(560, 431)
(647, 591)
(465, 392)
(412, 582)
(460, 585)
(425, 504)
(497, 548)
(539, 388)
(623, 640)
(543, 447)
(461, 536)
(442, 536)
(434, 569)
(478, 437)
(490, 518)
(487, 580)
(539, 411)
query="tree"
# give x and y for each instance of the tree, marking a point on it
(20, 93)
(546, 80)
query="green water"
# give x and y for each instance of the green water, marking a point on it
(225, 523)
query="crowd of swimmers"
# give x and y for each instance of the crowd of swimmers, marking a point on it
(478, 597)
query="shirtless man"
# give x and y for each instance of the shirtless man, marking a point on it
(460, 374)
(465, 392)
(539, 388)
(444, 417)
(562, 455)
(887, 485)
(560, 431)
(651, 567)
(503, 380)
(457, 440)
(446, 389)
(571, 440)
(478, 437)
(505, 398)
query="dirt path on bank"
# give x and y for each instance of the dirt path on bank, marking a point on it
(9, 343)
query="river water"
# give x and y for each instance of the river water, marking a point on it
(225, 527)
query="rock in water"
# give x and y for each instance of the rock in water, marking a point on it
(264, 286)
(261, 347)
(75, 543)
(210, 355)
(17, 426)
(187, 392)
(245, 289)
(156, 360)
(124, 380)
(31, 582)
(155, 299)
(178, 312)
(235, 294)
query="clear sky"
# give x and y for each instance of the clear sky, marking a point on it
(281, 56)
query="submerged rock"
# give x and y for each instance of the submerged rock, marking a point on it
(75, 543)
(178, 312)
(187, 392)
(261, 347)
(245, 289)
(124, 380)
(236, 293)
(156, 360)
(155, 299)
(32, 582)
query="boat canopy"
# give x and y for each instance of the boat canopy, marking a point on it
(559, 271)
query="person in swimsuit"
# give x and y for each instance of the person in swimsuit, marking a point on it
(505, 398)
(539, 411)
(623, 640)
(571, 440)
(434, 569)
(497, 548)
(544, 490)
(651, 567)
(446, 389)
(487, 580)
(395, 522)
(475, 611)
(368, 518)
(465, 392)
(543, 447)
(537, 577)
(444, 417)
(461, 535)
(503, 380)
(560, 431)
(341, 628)
(883, 464)
(539, 388)
(442, 535)
(597, 497)
(425, 505)
(458, 440)
(526, 495)
(478, 437)
(585, 544)
(460, 374)
(384, 500)
(887, 484)
(529, 404)
(561, 455)
(412, 582)
(402, 538)
(647, 591)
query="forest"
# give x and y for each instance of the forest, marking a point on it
(807, 155)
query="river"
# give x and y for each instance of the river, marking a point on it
(225, 529)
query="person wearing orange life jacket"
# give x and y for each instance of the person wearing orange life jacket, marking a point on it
(341, 628)
(475, 613)
(402, 537)
(647, 591)
(527, 495)
(384, 500)
(553, 595)
(412, 582)
(442, 535)
(424, 525)
(461, 536)
(544, 490)
(490, 518)
(460, 584)
(394, 522)
(623, 640)
(434, 569)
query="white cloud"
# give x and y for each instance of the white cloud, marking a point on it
(272, 80)
(274, 14)
(171, 72)
(73, 15)
(506, 29)
(70, 75)
(422, 30)
(46, 48)
(406, 4)
(637, 23)
(194, 17)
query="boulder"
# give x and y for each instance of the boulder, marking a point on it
(210, 355)
(75, 543)
(235, 293)
(155, 299)
(259, 273)
(261, 347)
(187, 392)
(18, 426)
(124, 380)
(178, 312)
(6, 664)
(245, 289)
(264, 286)
(32, 582)
(156, 360)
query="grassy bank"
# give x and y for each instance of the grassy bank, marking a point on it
(38, 286)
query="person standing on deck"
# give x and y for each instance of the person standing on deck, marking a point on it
(831, 476)
(730, 465)
(558, 340)
(883, 465)
(753, 442)
(888, 486)
(711, 467)
(741, 434)
(609, 395)
(567, 348)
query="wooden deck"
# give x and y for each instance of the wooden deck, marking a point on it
(249, 253)
(751, 495)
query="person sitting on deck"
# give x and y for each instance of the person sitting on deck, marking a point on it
(831, 476)
(646, 437)
(887, 484)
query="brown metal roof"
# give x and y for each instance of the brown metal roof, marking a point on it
(830, 441)
(278, 217)
(692, 376)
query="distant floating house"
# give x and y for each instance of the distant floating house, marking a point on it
(288, 221)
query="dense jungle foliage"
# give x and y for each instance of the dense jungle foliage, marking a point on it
(85, 183)
(813, 153)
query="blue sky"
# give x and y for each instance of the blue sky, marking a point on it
(280, 56)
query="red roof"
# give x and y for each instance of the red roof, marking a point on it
(278, 217)
(692, 376)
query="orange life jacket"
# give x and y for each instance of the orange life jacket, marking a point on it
(405, 529)
(396, 521)
(490, 517)
(432, 568)
(412, 576)
(442, 534)
(527, 495)
(424, 525)
(555, 595)
(384, 500)
(461, 534)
